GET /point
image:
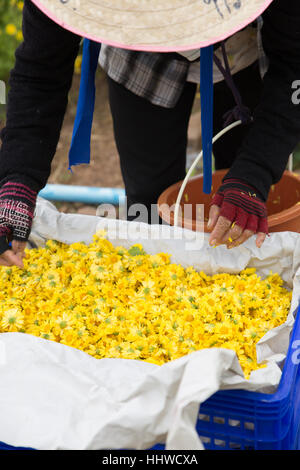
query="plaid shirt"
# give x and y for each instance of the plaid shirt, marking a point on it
(158, 77)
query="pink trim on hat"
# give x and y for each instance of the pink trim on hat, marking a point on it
(149, 48)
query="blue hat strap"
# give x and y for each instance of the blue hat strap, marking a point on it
(81, 139)
(206, 94)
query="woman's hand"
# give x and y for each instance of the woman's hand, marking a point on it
(17, 204)
(236, 214)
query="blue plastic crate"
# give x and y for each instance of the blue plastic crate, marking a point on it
(240, 419)
(243, 420)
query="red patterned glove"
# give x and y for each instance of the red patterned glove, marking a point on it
(17, 204)
(240, 203)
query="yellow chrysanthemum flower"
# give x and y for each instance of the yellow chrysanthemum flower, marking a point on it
(124, 303)
(12, 320)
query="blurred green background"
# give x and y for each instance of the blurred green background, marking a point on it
(11, 37)
(10, 34)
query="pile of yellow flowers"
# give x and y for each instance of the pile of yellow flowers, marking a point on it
(112, 302)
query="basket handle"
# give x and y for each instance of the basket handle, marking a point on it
(196, 161)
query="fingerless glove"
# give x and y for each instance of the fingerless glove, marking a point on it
(240, 203)
(17, 204)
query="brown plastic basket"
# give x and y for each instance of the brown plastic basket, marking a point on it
(283, 203)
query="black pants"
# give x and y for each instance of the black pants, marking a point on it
(152, 140)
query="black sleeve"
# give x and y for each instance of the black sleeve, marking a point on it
(275, 132)
(37, 99)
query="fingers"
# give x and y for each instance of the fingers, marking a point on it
(14, 256)
(260, 239)
(234, 217)
(230, 234)
(18, 248)
(221, 228)
(213, 216)
(3, 262)
(246, 234)
(234, 232)
(9, 258)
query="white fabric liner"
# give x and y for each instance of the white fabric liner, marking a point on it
(56, 397)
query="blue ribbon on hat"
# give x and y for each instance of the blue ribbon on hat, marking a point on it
(80, 150)
(206, 97)
(81, 140)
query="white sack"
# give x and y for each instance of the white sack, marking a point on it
(56, 397)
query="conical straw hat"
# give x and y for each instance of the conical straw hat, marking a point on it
(154, 25)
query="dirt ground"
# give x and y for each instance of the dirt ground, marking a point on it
(104, 169)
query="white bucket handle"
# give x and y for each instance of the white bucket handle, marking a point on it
(197, 160)
(193, 166)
